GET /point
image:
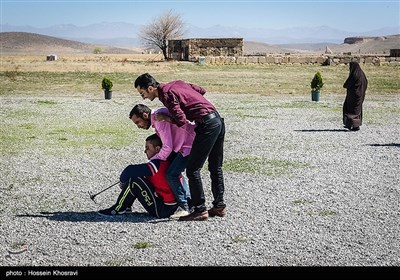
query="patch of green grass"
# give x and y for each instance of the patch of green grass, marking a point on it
(251, 116)
(142, 245)
(72, 83)
(12, 75)
(115, 262)
(238, 239)
(382, 79)
(27, 125)
(106, 135)
(46, 102)
(23, 130)
(261, 79)
(17, 245)
(302, 201)
(326, 212)
(57, 131)
(257, 165)
(19, 113)
(381, 115)
(300, 105)
(12, 143)
(247, 108)
(385, 110)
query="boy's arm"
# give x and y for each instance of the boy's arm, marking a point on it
(178, 117)
(197, 88)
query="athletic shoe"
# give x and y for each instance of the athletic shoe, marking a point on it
(179, 212)
(128, 210)
(110, 212)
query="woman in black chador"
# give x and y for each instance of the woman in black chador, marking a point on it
(356, 85)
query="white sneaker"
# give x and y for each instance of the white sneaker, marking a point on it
(179, 212)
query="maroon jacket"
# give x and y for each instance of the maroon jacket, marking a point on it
(184, 101)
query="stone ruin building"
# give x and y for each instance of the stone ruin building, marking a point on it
(193, 49)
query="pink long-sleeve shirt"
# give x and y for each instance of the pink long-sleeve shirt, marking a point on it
(174, 138)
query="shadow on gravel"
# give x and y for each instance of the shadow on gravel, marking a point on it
(385, 145)
(323, 130)
(92, 216)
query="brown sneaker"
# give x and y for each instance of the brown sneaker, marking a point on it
(195, 216)
(217, 211)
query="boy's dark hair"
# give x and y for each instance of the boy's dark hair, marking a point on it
(155, 140)
(145, 80)
(138, 110)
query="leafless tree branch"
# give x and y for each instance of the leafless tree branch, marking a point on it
(168, 26)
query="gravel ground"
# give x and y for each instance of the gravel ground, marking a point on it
(309, 194)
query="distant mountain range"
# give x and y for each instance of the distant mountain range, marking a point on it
(125, 35)
(32, 43)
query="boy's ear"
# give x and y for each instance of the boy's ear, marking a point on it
(145, 116)
(158, 148)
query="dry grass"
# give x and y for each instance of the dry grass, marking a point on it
(81, 75)
(78, 62)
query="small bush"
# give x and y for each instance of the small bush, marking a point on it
(316, 82)
(106, 84)
(97, 50)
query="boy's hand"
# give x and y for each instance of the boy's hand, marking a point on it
(122, 185)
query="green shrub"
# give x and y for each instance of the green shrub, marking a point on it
(97, 50)
(106, 84)
(316, 82)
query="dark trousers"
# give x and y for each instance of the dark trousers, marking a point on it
(208, 143)
(141, 189)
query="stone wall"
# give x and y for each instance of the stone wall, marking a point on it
(216, 47)
(302, 59)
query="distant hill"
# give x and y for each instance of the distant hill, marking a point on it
(362, 45)
(257, 48)
(369, 45)
(24, 42)
(31, 43)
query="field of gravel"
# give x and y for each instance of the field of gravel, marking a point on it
(300, 189)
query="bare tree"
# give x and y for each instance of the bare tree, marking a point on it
(166, 27)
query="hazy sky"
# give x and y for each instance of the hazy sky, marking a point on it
(356, 15)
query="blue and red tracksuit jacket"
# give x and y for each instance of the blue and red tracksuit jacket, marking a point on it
(155, 172)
